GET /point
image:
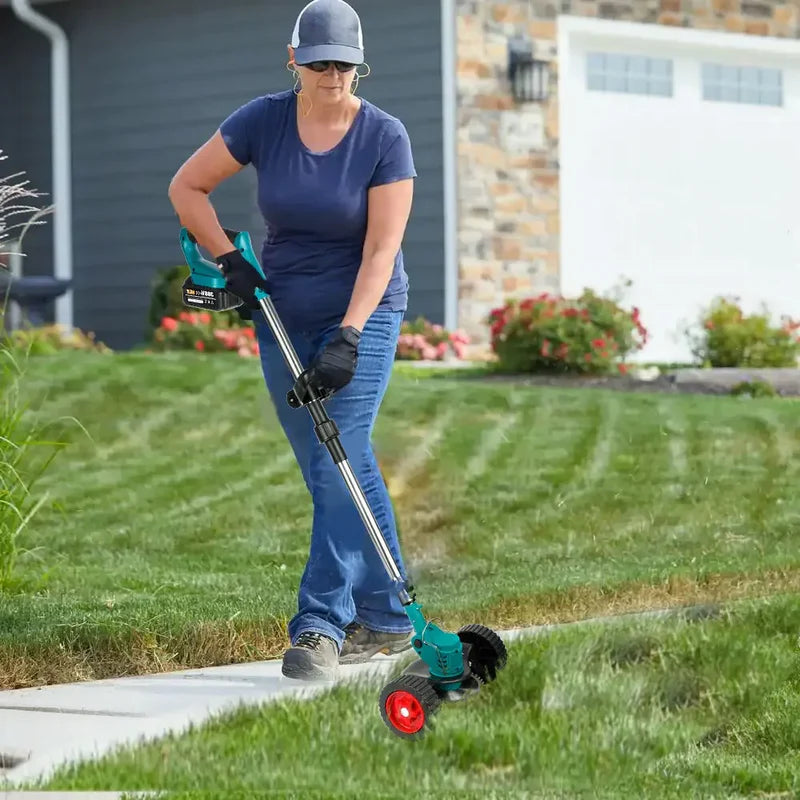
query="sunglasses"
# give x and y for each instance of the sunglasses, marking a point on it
(322, 66)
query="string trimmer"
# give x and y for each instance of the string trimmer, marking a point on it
(450, 666)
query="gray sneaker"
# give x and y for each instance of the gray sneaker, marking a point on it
(362, 643)
(313, 657)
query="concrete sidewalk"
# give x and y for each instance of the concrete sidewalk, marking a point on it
(44, 727)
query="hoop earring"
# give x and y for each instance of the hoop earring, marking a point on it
(296, 77)
(358, 77)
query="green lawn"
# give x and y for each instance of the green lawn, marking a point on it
(181, 529)
(659, 709)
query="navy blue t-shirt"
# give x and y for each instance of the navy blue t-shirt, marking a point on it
(315, 204)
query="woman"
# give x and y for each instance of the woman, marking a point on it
(335, 185)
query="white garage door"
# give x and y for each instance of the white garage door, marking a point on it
(680, 169)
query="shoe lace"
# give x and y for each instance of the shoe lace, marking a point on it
(310, 639)
(353, 627)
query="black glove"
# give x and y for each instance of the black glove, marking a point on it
(335, 366)
(242, 278)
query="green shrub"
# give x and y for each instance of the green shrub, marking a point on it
(166, 297)
(753, 389)
(548, 334)
(729, 338)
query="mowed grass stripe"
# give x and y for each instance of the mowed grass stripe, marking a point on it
(503, 535)
(173, 471)
(420, 447)
(622, 473)
(431, 513)
(741, 480)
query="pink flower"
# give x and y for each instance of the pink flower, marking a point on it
(169, 323)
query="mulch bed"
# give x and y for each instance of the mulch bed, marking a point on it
(786, 382)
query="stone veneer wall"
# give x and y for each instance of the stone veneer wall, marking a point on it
(508, 197)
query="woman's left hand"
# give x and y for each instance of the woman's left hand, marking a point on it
(336, 364)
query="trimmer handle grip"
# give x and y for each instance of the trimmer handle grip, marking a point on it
(202, 267)
(229, 233)
(241, 241)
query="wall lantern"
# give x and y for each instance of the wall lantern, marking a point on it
(529, 76)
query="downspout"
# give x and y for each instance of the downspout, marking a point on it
(60, 147)
(449, 162)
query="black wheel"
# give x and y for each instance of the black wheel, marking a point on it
(408, 705)
(487, 654)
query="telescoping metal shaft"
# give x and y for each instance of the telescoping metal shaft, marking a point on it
(329, 436)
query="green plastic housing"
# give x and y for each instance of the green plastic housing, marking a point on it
(208, 275)
(440, 650)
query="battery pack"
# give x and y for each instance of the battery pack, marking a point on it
(207, 298)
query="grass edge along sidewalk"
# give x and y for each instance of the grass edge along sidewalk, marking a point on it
(696, 703)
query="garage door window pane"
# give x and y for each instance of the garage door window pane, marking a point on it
(617, 72)
(752, 85)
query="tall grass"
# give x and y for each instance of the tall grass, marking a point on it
(25, 453)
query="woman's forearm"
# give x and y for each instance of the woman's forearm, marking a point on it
(196, 213)
(373, 278)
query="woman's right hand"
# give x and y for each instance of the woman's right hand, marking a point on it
(242, 278)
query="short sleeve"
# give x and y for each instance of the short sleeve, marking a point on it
(396, 161)
(240, 130)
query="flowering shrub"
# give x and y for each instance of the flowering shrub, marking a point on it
(728, 338)
(548, 333)
(205, 332)
(48, 339)
(425, 340)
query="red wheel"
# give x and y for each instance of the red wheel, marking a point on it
(404, 712)
(407, 705)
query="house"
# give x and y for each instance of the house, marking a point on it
(653, 141)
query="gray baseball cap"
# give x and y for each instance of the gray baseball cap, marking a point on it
(328, 30)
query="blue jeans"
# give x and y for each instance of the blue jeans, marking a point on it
(344, 579)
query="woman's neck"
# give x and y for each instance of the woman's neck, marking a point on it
(339, 114)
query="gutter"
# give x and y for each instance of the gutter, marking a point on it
(61, 150)
(449, 163)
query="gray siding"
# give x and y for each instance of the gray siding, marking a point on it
(151, 81)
